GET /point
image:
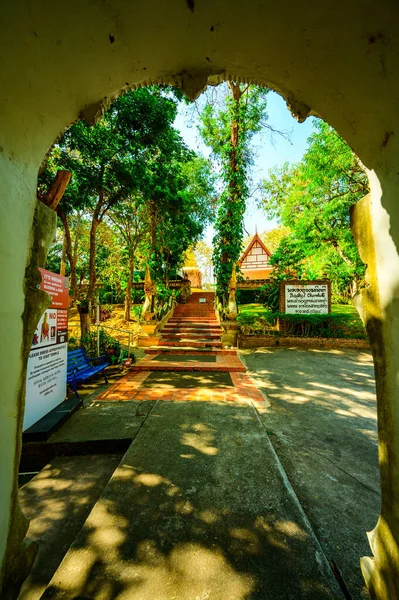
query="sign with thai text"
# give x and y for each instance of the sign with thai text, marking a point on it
(47, 362)
(305, 297)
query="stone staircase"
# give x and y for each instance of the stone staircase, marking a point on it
(189, 338)
(194, 324)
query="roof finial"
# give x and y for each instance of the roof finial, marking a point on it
(256, 229)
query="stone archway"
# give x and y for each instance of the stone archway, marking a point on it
(340, 65)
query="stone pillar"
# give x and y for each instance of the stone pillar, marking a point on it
(232, 311)
(230, 333)
(149, 291)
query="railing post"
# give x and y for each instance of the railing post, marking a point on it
(128, 351)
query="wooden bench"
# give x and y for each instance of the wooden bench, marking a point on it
(80, 368)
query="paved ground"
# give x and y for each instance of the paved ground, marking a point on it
(197, 510)
(130, 387)
(58, 501)
(321, 420)
(200, 507)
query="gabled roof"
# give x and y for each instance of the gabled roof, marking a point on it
(256, 238)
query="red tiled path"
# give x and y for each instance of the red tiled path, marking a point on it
(128, 388)
(224, 363)
(193, 330)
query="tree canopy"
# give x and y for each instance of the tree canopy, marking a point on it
(134, 168)
(313, 198)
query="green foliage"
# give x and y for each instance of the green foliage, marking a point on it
(269, 295)
(329, 326)
(53, 260)
(164, 293)
(344, 322)
(73, 343)
(108, 297)
(136, 312)
(228, 130)
(109, 346)
(133, 166)
(313, 199)
(179, 210)
(246, 296)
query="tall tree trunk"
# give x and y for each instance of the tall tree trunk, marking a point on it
(89, 297)
(234, 192)
(63, 257)
(128, 297)
(86, 302)
(84, 315)
(153, 230)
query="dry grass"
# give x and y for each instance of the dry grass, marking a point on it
(117, 320)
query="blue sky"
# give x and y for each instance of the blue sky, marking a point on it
(268, 153)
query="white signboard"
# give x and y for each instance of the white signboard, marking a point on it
(47, 363)
(306, 299)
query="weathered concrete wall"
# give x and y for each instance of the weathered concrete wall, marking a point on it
(340, 61)
(379, 311)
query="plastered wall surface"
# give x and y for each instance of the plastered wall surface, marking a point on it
(326, 58)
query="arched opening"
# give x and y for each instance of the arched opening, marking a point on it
(338, 100)
(208, 506)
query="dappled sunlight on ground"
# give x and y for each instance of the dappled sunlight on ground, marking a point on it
(190, 515)
(322, 421)
(57, 502)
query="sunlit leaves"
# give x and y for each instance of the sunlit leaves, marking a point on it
(313, 198)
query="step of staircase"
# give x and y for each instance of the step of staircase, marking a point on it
(199, 320)
(191, 343)
(204, 335)
(187, 350)
(177, 367)
(193, 327)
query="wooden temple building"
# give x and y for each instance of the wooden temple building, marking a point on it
(254, 263)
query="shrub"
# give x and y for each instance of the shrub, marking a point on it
(329, 326)
(73, 343)
(135, 312)
(108, 345)
(137, 296)
(334, 325)
(248, 296)
(269, 295)
(108, 297)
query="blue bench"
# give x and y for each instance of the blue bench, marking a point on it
(80, 368)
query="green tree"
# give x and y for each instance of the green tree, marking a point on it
(110, 161)
(130, 218)
(273, 237)
(313, 198)
(180, 204)
(228, 130)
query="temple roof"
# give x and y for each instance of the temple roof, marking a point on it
(255, 239)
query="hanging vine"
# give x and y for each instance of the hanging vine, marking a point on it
(228, 130)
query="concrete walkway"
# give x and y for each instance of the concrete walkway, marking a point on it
(224, 492)
(197, 509)
(322, 420)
